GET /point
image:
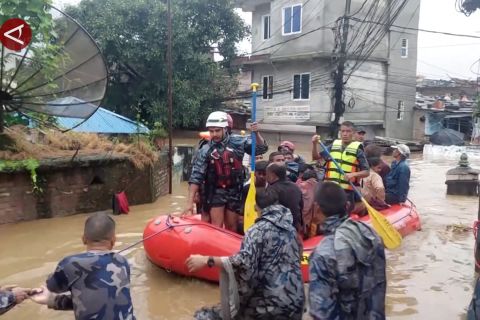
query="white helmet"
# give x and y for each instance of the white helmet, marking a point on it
(218, 119)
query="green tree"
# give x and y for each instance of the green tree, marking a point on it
(43, 52)
(35, 12)
(133, 39)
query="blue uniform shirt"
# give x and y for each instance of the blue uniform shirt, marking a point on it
(398, 180)
(99, 283)
(7, 301)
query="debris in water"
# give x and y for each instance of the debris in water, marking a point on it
(459, 228)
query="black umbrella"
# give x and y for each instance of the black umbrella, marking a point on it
(447, 137)
(52, 70)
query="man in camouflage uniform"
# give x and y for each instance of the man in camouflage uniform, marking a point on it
(218, 172)
(7, 301)
(474, 307)
(98, 280)
(267, 267)
(347, 269)
(10, 297)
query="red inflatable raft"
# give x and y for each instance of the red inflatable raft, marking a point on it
(169, 240)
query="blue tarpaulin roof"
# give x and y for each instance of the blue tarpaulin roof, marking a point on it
(103, 121)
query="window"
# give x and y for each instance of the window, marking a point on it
(301, 86)
(292, 19)
(266, 27)
(400, 110)
(267, 87)
(404, 50)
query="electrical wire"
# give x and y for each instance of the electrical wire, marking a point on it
(373, 41)
(423, 30)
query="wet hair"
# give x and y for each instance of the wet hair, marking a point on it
(265, 198)
(331, 198)
(278, 170)
(99, 227)
(373, 151)
(309, 174)
(261, 165)
(274, 154)
(374, 161)
(348, 124)
(302, 167)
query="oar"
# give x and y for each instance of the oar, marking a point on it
(391, 237)
(249, 212)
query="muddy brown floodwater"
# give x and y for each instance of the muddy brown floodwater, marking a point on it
(430, 277)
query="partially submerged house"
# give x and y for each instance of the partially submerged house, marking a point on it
(434, 114)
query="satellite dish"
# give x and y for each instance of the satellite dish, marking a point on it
(64, 75)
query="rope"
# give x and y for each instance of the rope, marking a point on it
(169, 226)
(476, 225)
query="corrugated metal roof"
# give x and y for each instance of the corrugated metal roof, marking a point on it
(103, 121)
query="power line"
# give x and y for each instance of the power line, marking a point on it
(378, 23)
(438, 67)
(414, 13)
(379, 35)
(360, 9)
(293, 39)
(423, 30)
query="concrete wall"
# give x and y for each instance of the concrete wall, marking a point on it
(419, 119)
(317, 37)
(376, 103)
(402, 74)
(366, 90)
(318, 105)
(85, 185)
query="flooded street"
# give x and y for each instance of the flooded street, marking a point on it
(430, 276)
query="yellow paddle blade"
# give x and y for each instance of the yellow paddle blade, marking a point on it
(249, 212)
(391, 237)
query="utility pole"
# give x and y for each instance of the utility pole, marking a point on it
(170, 97)
(478, 78)
(339, 106)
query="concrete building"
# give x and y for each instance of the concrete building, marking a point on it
(293, 46)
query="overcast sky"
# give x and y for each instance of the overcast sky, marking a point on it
(439, 56)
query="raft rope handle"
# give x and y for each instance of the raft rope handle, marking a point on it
(144, 239)
(198, 222)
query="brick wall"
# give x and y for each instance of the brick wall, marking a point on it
(159, 178)
(86, 184)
